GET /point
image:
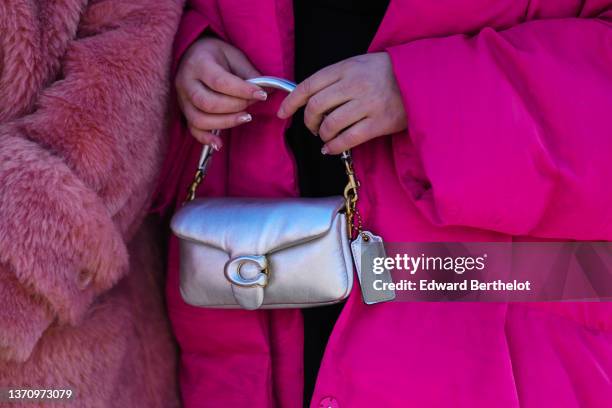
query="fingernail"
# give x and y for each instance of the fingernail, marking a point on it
(281, 113)
(324, 150)
(261, 95)
(215, 146)
(245, 118)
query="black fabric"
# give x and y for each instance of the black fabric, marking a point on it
(326, 32)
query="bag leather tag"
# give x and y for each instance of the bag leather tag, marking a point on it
(365, 248)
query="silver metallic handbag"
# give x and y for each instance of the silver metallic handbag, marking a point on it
(266, 253)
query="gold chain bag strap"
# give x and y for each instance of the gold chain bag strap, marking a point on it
(267, 253)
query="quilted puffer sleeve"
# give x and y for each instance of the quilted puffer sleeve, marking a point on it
(512, 129)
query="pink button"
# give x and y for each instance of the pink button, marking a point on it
(329, 402)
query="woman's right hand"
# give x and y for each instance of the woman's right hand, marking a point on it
(212, 90)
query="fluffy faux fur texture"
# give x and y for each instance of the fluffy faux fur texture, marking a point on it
(83, 91)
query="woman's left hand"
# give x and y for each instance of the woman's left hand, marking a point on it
(350, 102)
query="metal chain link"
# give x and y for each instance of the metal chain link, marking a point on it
(351, 196)
(191, 192)
(205, 157)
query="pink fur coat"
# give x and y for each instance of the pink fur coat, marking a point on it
(83, 88)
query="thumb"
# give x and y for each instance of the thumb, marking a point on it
(240, 64)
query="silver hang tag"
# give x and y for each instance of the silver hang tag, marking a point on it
(365, 248)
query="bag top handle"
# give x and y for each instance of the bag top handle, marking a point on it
(350, 191)
(274, 82)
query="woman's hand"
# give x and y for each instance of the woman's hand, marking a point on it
(350, 102)
(212, 91)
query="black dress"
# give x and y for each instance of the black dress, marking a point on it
(326, 32)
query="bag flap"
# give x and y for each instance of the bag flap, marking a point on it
(255, 226)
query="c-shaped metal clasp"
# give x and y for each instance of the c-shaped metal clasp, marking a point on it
(233, 266)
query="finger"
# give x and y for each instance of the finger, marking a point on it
(341, 118)
(240, 64)
(219, 79)
(355, 135)
(307, 88)
(207, 138)
(322, 103)
(210, 101)
(208, 121)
